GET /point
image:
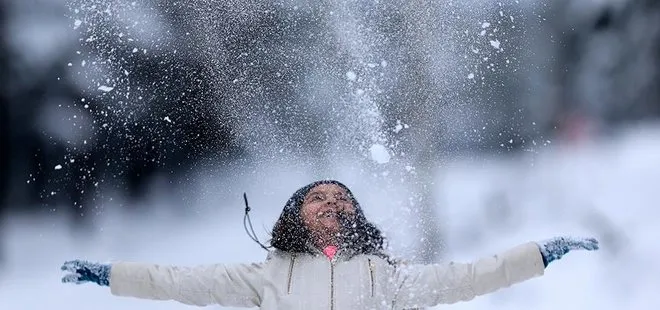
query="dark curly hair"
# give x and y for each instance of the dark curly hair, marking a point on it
(290, 234)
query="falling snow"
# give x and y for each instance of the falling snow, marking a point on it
(379, 154)
(185, 88)
(495, 44)
(351, 76)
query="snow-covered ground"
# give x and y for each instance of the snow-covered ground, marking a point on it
(609, 190)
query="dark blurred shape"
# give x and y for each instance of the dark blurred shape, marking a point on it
(5, 151)
(604, 20)
(608, 65)
(66, 145)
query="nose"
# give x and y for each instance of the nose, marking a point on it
(334, 202)
(335, 205)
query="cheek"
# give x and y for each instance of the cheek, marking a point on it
(308, 213)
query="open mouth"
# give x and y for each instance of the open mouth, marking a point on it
(327, 214)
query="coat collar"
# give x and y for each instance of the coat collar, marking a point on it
(343, 253)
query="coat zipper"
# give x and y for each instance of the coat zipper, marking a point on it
(288, 285)
(332, 285)
(371, 275)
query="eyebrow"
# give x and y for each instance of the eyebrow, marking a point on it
(321, 192)
(312, 193)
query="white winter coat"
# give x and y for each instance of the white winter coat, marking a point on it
(307, 281)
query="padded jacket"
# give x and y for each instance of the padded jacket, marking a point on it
(312, 281)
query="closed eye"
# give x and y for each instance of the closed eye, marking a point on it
(315, 197)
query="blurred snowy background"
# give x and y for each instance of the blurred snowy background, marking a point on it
(130, 130)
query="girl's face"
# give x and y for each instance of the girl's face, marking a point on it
(321, 208)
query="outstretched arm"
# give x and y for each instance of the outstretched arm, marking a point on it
(227, 285)
(430, 285)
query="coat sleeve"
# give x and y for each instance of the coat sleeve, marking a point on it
(237, 285)
(418, 286)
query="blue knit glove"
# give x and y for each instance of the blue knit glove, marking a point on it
(79, 271)
(555, 248)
